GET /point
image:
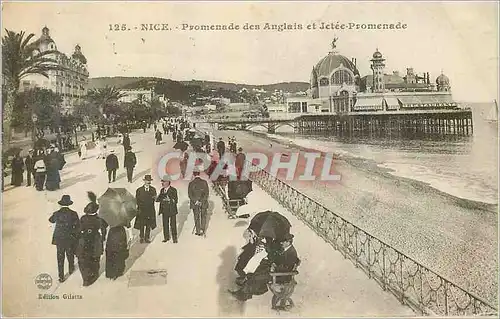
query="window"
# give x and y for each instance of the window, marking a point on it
(342, 76)
(324, 82)
(341, 102)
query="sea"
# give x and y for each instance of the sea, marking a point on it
(464, 167)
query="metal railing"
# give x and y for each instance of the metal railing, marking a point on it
(412, 283)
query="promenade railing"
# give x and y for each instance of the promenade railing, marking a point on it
(412, 283)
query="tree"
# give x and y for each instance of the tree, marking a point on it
(20, 58)
(88, 112)
(44, 103)
(106, 99)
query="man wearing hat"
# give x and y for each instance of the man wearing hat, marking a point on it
(111, 166)
(198, 193)
(168, 208)
(129, 163)
(239, 162)
(146, 217)
(65, 235)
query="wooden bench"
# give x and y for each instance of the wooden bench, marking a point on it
(282, 292)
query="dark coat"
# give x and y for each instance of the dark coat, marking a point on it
(111, 162)
(168, 208)
(285, 262)
(92, 236)
(67, 228)
(29, 162)
(146, 207)
(198, 191)
(126, 141)
(221, 146)
(130, 160)
(158, 135)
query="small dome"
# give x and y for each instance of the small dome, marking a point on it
(377, 55)
(442, 80)
(332, 61)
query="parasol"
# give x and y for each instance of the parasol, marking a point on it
(117, 207)
(183, 146)
(270, 224)
(239, 189)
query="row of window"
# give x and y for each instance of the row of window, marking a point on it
(338, 78)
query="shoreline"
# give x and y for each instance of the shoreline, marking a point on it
(385, 172)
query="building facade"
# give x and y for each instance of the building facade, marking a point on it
(336, 87)
(70, 81)
(130, 95)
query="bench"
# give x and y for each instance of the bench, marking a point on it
(282, 292)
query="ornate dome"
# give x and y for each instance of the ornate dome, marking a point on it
(442, 80)
(332, 61)
(377, 55)
(78, 55)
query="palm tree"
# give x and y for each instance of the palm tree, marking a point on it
(105, 98)
(20, 58)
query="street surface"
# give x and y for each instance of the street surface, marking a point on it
(199, 271)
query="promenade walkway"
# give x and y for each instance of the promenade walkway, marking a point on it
(198, 270)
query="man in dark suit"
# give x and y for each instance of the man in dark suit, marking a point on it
(129, 163)
(111, 166)
(65, 235)
(198, 192)
(146, 217)
(168, 209)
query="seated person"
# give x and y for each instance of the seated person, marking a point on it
(282, 257)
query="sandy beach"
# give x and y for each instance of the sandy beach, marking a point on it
(454, 237)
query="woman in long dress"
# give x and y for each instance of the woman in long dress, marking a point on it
(90, 245)
(17, 170)
(83, 149)
(116, 252)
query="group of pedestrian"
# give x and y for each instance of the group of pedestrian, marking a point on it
(84, 238)
(43, 167)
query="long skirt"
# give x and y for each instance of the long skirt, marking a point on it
(17, 178)
(89, 268)
(115, 263)
(53, 180)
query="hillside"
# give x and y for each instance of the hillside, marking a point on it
(136, 82)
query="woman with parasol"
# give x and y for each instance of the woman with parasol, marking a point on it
(90, 245)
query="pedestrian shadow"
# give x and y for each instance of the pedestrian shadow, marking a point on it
(140, 174)
(226, 276)
(182, 217)
(241, 223)
(77, 179)
(137, 249)
(121, 175)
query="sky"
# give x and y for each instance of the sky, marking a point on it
(458, 38)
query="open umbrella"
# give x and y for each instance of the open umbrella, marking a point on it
(117, 207)
(270, 224)
(183, 146)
